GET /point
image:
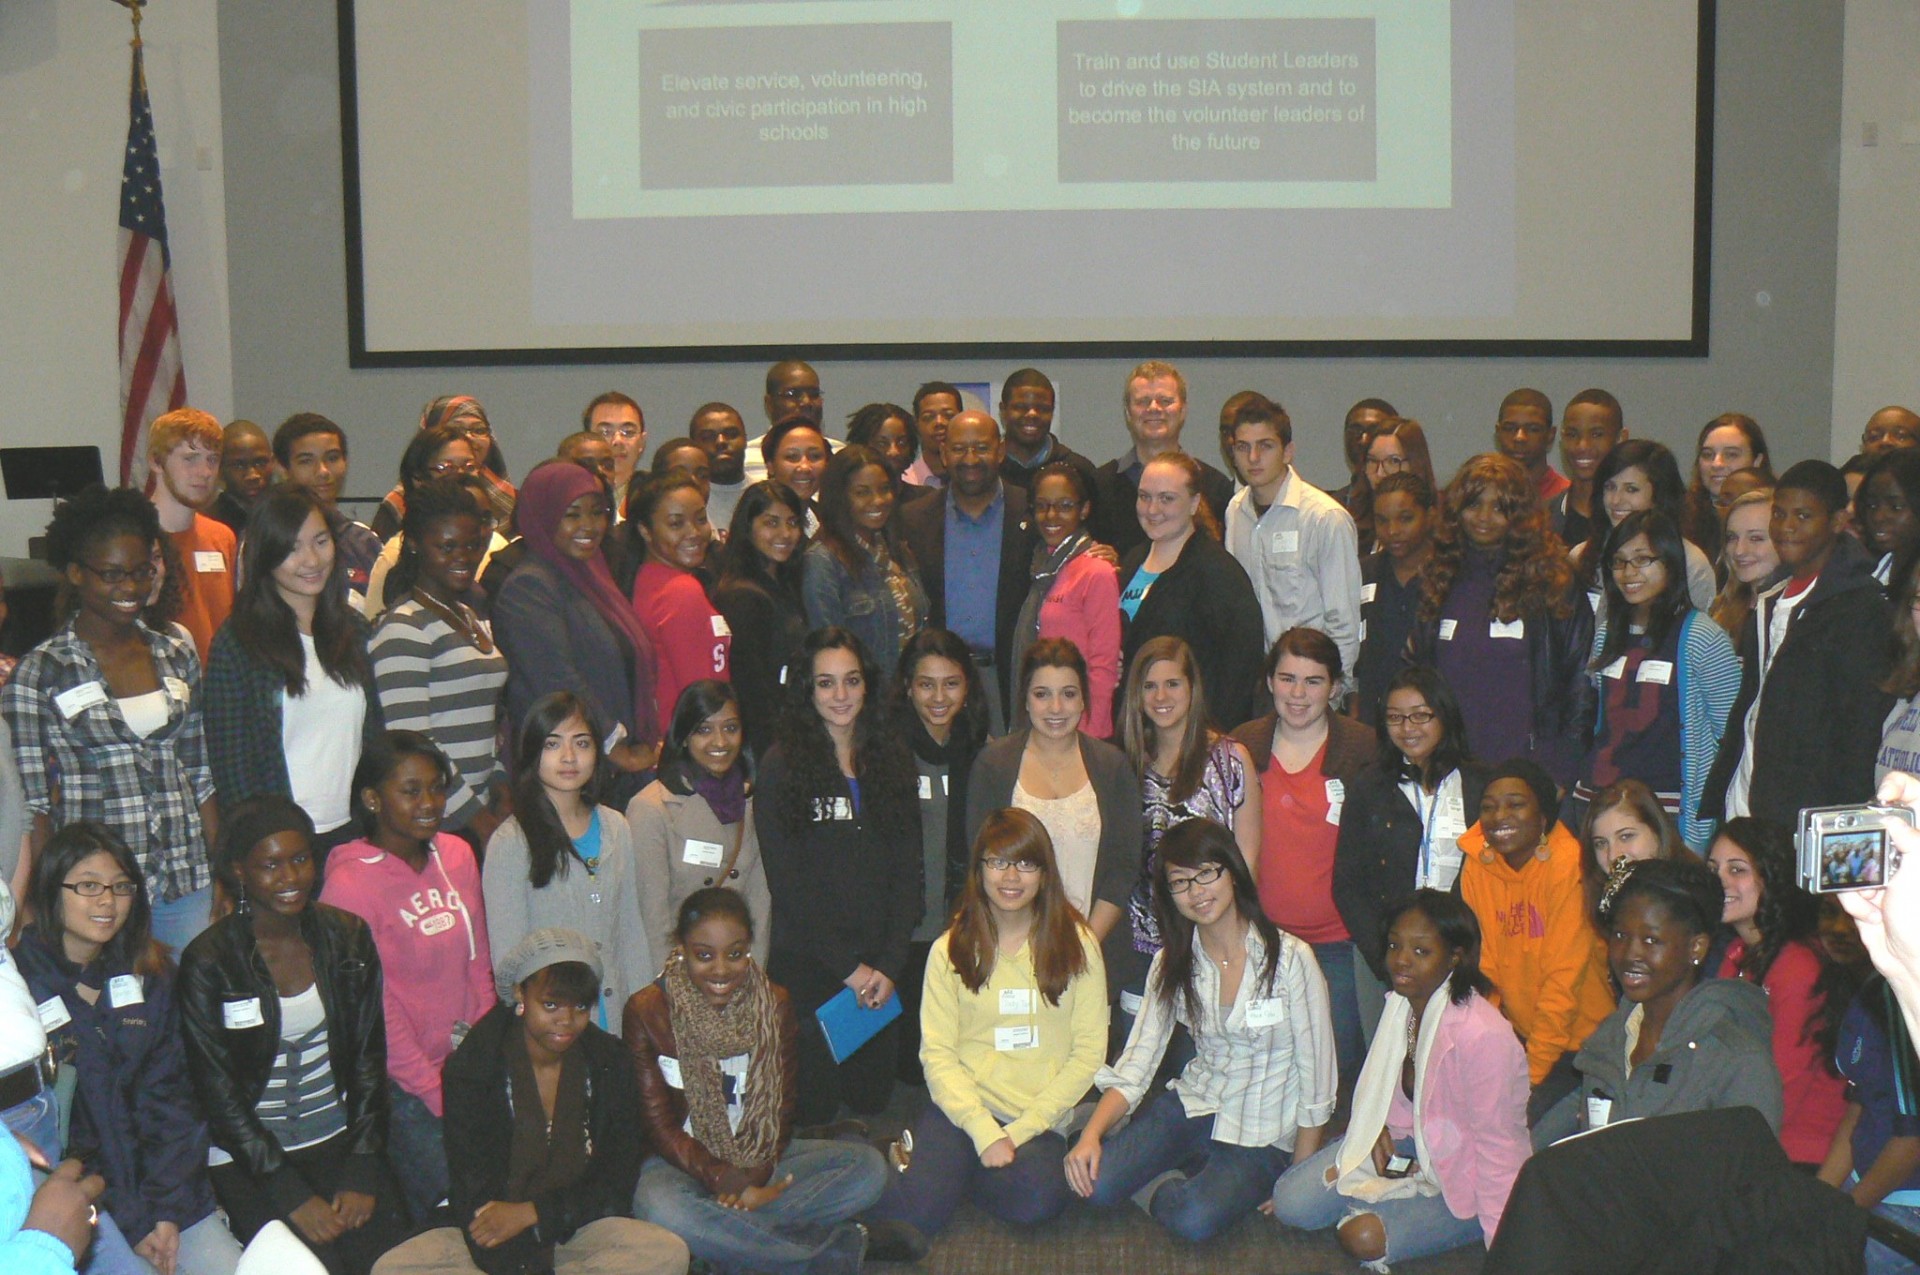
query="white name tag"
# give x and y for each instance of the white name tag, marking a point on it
(1599, 1111)
(1594, 598)
(720, 628)
(1266, 1011)
(1286, 542)
(926, 787)
(704, 854)
(79, 699)
(1336, 798)
(207, 561)
(1508, 629)
(614, 736)
(670, 1068)
(53, 1014)
(1446, 629)
(1615, 670)
(1130, 1003)
(1659, 672)
(124, 990)
(1016, 1000)
(240, 1015)
(842, 808)
(1367, 592)
(177, 689)
(1025, 1036)
(1363, 630)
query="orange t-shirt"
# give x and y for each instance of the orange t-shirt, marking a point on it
(208, 553)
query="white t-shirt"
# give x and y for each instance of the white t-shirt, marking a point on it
(320, 733)
(22, 1039)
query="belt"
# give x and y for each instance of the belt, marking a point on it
(26, 1081)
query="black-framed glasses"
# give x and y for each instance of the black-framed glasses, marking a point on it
(114, 576)
(1412, 717)
(1025, 867)
(1638, 565)
(94, 889)
(1204, 876)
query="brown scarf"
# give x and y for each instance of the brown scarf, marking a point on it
(706, 1035)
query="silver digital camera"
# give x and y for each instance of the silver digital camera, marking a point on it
(1848, 847)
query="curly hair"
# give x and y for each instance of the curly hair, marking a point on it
(889, 784)
(1534, 578)
(98, 514)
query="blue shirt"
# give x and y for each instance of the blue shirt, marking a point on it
(1136, 592)
(1878, 1063)
(973, 571)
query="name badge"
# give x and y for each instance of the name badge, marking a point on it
(1659, 672)
(1367, 592)
(1130, 1003)
(614, 736)
(720, 628)
(177, 689)
(124, 990)
(1286, 542)
(1594, 598)
(1336, 798)
(1599, 1111)
(206, 561)
(53, 1014)
(1363, 630)
(79, 699)
(1266, 1011)
(670, 1069)
(240, 1015)
(1508, 629)
(926, 787)
(1025, 1036)
(1615, 670)
(704, 854)
(1446, 629)
(1016, 1000)
(842, 808)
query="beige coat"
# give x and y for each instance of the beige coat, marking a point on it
(663, 823)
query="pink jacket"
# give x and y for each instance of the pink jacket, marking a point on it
(1475, 1113)
(1083, 606)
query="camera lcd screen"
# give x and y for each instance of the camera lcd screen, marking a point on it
(1853, 859)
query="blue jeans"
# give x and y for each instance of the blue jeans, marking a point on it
(38, 1121)
(1224, 1182)
(416, 1149)
(1882, 1260)
(804, 1232)
(206, 1248)
(1343, 1003)
(1416, 1226)
(178, 923)
(946, 1170)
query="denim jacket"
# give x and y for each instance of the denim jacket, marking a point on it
(862, 603)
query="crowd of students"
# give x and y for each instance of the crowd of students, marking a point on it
(1230, 845)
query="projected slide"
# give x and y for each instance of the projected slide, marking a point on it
(683, 176)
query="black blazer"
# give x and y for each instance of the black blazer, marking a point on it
(1205, 598)
(1378, 854)
(923, 521)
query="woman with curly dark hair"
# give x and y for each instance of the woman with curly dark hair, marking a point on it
(887, 430)
(1775, 944)
(838, 820)
(1504, 622)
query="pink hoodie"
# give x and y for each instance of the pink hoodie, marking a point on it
(430, 928)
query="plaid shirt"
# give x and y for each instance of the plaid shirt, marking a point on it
(83, 762)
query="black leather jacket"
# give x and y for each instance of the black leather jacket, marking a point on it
(223, 967)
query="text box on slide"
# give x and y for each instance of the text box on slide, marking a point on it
(1250, 99)
(850, 105)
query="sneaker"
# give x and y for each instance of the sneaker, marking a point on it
(899, 1152)
(895, 1242)
(1144, 1196)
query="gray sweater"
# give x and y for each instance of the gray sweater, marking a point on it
(1715, 1051)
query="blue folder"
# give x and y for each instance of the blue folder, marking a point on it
(847, 1024)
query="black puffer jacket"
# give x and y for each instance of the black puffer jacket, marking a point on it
(231, 1065)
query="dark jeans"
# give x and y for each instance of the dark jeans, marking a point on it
(1349, 1042)
(946, 1170)
(863, 1082)
(414, 1142)
(250, 1205)
(913, 981)
(1224, 1182)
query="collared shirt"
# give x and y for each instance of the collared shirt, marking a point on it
(71, 738)
(919, 474)
(1261, 1083)
(973, 570)
(22, 1039)
(1303, 556)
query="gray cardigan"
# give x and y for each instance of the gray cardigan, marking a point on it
(1117, 864)
(1715, 1051)
(663, 822)
(605, 907)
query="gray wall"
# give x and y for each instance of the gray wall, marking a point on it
(1774, 234)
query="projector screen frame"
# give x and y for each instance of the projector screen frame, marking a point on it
(1694, 345)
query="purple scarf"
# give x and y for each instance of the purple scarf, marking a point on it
(725, 796)
(544, 497)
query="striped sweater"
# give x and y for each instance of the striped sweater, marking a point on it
(430, 678)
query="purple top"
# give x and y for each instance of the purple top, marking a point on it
(1491, 676)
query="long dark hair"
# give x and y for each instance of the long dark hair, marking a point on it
(698, 701)
(1190, 844)
(423, 447)
(1054, 939)
(382, 757)
(739, 560)
(264, 624)
(837, 531)
(889, 784)
(1451, 753)
(134, 947)
(970, 723)
(548, 845)
(1669, 607)
(865, 423)
(1654, 460)
(1458, 928)
(1703, 519)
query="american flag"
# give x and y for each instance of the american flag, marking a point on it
(151, 378)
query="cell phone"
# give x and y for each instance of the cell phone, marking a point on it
(1397, 1166)
(1844, 848)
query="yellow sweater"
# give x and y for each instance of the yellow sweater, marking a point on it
(980, 1069)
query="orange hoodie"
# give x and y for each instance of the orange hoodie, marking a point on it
(1547, 963)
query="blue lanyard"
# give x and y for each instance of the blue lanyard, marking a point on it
(1426, 839)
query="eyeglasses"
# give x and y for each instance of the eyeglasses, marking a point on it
(94, 889)
(799, 394)
(441, 468)
(112, 576)
(1412, 717)
(1386, 464)
(1025, 867)
(1205, 876)
(1636, 565)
